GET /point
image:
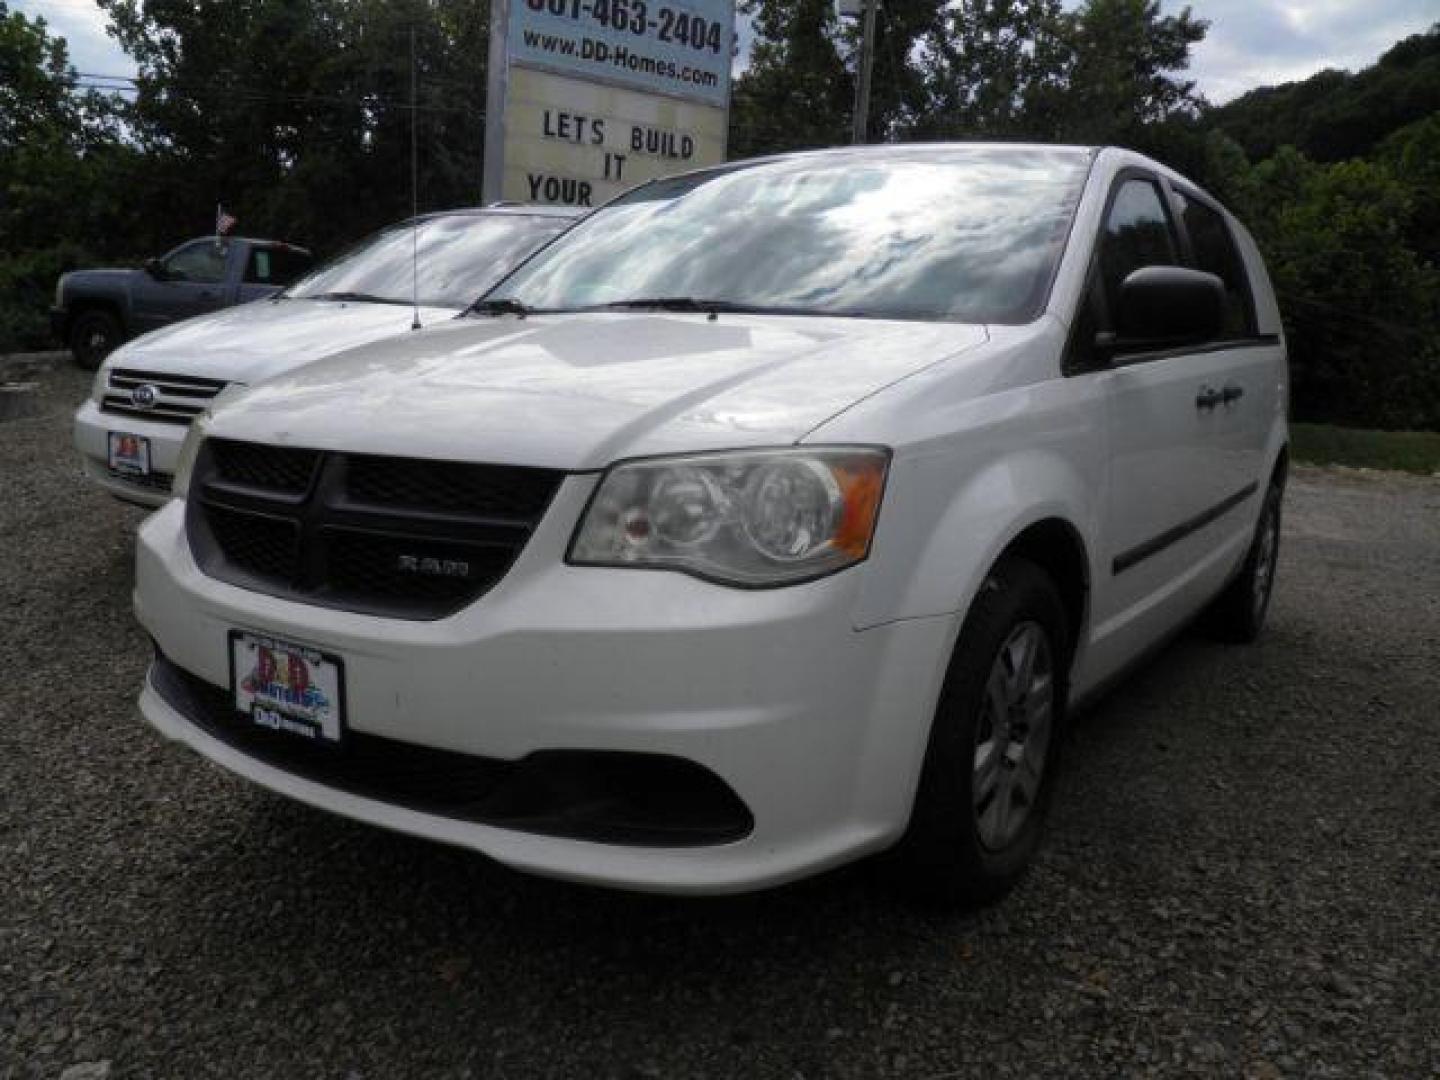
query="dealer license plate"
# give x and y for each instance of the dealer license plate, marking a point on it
(129, 453)
(288, 688)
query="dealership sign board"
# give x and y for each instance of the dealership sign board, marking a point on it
(590, 97)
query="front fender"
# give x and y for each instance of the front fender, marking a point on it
(957, 501)
(111, 288)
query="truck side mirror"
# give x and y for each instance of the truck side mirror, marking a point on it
(156, 269)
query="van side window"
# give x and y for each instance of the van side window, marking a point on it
(1215, 253)
(1137, 233)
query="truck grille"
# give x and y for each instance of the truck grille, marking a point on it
(401, 537)
(177, 399)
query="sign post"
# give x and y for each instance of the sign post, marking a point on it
(588, 98)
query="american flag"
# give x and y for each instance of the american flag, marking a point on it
(223, 222)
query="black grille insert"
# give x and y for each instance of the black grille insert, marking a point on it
(448, 487)
(619, 798)
(402, 537)
(282, 469)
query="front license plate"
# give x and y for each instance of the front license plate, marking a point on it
(129, 453)
(287, 688)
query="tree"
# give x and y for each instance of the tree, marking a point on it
(796, 92)
(1362, 310)
(799, 88)
(987, 64)
(55, 140)
(1122, 73)
(1105, 73)
(297, 117)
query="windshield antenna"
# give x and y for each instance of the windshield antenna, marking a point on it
(414, 195)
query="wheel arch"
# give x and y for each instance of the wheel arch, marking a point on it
(110, 306)
(1055, 545)
(1280, 473)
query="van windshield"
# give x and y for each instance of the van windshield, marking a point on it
(969, 234)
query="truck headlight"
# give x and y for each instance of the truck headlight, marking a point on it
(745, 518)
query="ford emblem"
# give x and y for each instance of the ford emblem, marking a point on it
(143, 397)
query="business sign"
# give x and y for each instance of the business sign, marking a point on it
(590, 97)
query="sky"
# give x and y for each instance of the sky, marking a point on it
(1251, 42)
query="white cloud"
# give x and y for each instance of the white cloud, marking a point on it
(82, 24)
(1261, 42)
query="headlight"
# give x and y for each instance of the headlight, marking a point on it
(749, 518)
(101, 382)
(185, 464)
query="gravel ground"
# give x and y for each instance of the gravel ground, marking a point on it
(1241, 877)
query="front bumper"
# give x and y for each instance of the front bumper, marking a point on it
(92, 439)
(819, 729)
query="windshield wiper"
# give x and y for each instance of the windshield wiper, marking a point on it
(357, 297)
(500, 306)
(696, 304)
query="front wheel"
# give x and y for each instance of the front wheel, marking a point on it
(1238, 613)
(94, 336)
(985, 783)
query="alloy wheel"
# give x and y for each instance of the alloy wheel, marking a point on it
(1012, 736)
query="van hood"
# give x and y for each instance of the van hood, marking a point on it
(264, 338)
(579, 391)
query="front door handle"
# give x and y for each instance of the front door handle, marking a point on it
(1231, 393)
(1208, 398)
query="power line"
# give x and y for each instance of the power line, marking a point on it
(252, 96)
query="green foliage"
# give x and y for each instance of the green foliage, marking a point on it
(970, 69)
(1122, 70)
(1362, 309)
(27, 284)
(1396, 451)
(296, 117)
(992, 69)
(53, 149)
(797, 93)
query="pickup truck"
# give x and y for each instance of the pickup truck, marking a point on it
(96, 310)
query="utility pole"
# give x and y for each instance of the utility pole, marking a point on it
(862, 83)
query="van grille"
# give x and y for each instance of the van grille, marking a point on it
(402, 537)
(178, 399)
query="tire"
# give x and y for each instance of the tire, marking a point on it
(1238, 614)
(964, 851)
(94, 335)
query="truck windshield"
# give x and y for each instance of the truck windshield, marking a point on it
(961, 233)
(460, 257)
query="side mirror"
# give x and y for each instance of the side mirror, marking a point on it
(1164, 306)
(156, 269)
